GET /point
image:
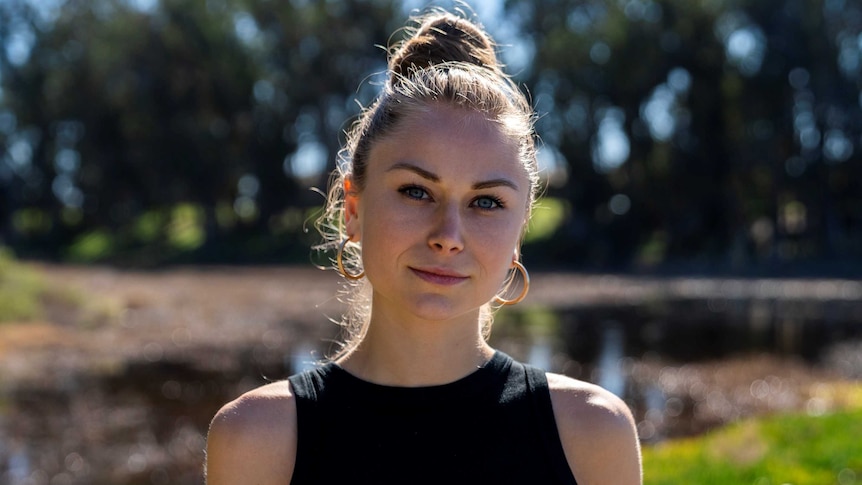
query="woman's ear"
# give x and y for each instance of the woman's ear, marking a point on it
(351, 210)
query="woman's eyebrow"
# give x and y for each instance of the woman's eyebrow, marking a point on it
(486, 184)
(415, 169)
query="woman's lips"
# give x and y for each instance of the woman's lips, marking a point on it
(439, 276)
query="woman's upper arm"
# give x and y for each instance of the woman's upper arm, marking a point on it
(252, 440)
(598, 433)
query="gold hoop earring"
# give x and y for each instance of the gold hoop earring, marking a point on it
(338, 261)
(520, 267)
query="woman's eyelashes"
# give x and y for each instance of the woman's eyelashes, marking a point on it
(482, 202)
(414, 192)
(488, 202)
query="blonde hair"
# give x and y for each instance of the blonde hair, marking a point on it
(446, 59)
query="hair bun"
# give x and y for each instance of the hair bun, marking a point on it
(443, 38)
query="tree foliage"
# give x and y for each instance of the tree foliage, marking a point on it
(707, 134)
(702, 135)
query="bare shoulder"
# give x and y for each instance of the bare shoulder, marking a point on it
(582, 401)
(597, 431)
(252, 439)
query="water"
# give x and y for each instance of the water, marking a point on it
(687, 367)
(682, 367)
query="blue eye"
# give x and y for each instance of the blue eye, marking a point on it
(414, 192)
(488, 203)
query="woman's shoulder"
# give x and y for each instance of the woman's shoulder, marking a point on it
(589, 402)
(252, 439)
(258, 410)
(597, 431)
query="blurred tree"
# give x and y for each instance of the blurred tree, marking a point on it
(710, 134)
(706, 135)
(123, 110)
(312, 58)
(134, 113)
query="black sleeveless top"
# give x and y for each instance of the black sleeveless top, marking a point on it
(494, 426)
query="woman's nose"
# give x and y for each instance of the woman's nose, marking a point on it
(446, 234)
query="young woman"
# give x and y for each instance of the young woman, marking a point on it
(427, 213)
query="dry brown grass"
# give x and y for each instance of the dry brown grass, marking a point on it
(30, 336)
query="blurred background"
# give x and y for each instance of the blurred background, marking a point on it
(710, 136)
(698, 250)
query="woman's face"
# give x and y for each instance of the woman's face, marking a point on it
(440, 216)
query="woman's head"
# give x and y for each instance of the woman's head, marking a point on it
(448, 60)
(449, 64)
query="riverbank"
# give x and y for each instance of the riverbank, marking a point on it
(136, 314)
(120, 388)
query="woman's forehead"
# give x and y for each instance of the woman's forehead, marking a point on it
(441, 113)
(461, 134)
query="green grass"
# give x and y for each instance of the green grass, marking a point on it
(25, 296)
(776, 450)
(20, 290)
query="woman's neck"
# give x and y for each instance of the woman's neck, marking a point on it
(418, 353)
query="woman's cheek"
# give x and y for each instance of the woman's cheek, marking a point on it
(500, 229)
